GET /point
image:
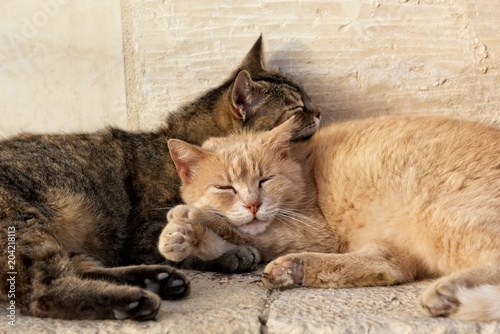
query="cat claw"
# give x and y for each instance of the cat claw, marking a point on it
(283, 273)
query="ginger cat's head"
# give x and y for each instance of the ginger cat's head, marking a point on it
(249, 178)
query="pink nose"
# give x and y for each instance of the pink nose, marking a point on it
(253, 206)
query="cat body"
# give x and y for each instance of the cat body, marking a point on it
(380, 201)
(79, 212)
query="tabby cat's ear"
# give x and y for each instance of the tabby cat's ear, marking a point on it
(185, 156)
(279, 138)
(245, 95)
(253, 61)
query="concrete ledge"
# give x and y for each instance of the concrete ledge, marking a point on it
(240, 304)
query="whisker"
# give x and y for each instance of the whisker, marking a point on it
(298, 220)
(300, 226)
(164, 208)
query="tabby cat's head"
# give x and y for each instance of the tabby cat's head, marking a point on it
(261, 99)
(248, 178)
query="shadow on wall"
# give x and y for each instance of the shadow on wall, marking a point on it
(338, 91)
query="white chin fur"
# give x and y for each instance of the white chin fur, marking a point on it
(253, 228)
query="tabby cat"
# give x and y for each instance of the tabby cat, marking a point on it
(74, 207)
(369, 202)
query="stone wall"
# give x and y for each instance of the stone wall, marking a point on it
(71, 65)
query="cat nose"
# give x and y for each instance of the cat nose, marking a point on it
(253, 206)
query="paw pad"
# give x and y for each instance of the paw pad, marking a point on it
(152, 286)
(440, 301)
(283, 274)
(162, 276)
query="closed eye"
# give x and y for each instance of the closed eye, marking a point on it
(295, 109)
(264, 181)
(225, 188)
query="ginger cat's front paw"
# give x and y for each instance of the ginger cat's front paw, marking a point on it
(184, 235)
(284, 272)
(175, 241)
(186, 213)
(440, 299)
(178, 237)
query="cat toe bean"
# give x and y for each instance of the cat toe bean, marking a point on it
(152, 286)
(440, 300)
(174, 287)
(283, 273)
(185, 213)
(161, 280)
(164, 281)
(145, 308)
(175, 243)
(163, 276)
(135, 311)
(178, 212)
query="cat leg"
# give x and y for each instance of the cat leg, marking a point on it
(238, 260)
(320, 270)
(74, 298)
(140, 250)
(184, 236)
(472, 294)
(48, 284)
(162, 280)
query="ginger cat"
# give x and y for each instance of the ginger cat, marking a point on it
(370, 202)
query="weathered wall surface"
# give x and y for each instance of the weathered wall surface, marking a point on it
(70, 65)
(356, 58)
(61, 66)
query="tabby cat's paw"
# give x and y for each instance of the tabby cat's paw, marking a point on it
(175, 241)
(165, 281)
(239, 260)
(284, 272)
(168, 285)
(142, 305)
(104, 302)
(440, 299)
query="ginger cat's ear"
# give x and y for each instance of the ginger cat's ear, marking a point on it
(279, 138)
(185, 156)
(245, 95)
(253, 61)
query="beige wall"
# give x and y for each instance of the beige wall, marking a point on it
(355, 58)
(61, 65)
